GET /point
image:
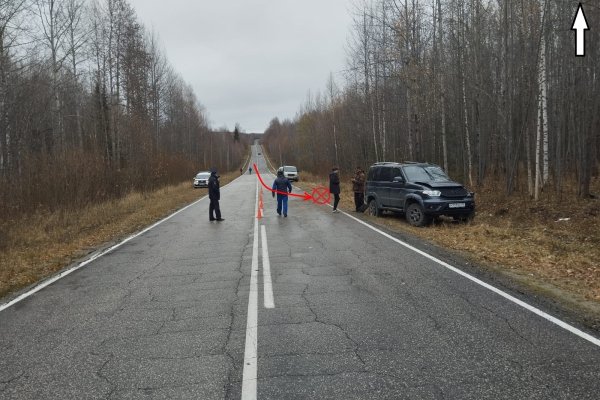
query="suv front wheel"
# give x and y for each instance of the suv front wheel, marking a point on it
(415, 215)
(374, 209)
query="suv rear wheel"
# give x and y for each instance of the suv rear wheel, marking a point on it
(374, 209)
(415, 215)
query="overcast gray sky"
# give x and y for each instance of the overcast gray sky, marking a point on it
(251, 60)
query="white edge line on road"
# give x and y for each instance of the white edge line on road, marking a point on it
(268, 284)
(82, 264)
(250, 372)
(507, 296)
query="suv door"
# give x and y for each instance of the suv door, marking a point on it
(397, 191)
(375, 186)
(384, 188)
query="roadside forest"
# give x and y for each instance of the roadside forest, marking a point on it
(91, 109)
(491, 90)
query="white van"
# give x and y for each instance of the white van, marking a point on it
(290, 172)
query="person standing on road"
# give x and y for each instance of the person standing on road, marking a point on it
(358, 187)
(214, 194)
(282, 185)
(241, 171)
(334, 187)
(250, 170)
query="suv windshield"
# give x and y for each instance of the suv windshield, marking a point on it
(289, 169)
(415, 173)
(202, 175)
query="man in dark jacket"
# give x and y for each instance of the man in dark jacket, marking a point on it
(214, 194)
(334, 187)
(282, 185)
(358, 187)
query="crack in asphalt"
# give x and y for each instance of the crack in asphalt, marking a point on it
(503, 318)
(354, 342)
(162, 325)
(465, 298)
(101, 375)
(12, 379)
(144, 271)
(124, 300)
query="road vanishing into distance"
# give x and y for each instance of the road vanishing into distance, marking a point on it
(313, 306)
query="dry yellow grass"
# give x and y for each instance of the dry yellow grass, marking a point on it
(36, 246)
(529, 241)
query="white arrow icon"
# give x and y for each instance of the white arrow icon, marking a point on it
(580, 25)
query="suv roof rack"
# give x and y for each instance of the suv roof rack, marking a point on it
(398, 162)
(385, 163)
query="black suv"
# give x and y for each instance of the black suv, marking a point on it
(421, 191)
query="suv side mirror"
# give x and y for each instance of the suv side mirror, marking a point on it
(398, 179)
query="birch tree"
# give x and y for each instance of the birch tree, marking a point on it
(10, 12)
(54, 28)
(541, 174)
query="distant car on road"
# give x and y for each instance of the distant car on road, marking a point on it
(420, 191)
(290, 172)
(201, 179)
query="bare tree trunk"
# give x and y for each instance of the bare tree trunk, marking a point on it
(442, 86)
(531, 189)
(541, 167)
(4, 121)
(332, 96)
(384, 84)
(411, 148)
(54, 28)
(366, 59)
(541, 118)
(467, 138)
(544, 112)
(77, 40)
(383, 130)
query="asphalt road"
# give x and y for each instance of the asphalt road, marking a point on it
(179, 312)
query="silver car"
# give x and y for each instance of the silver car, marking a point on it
(201, 180)
(290, 172)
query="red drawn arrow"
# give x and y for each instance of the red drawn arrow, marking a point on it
(305, 196)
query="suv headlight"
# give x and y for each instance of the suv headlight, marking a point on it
(432, 193)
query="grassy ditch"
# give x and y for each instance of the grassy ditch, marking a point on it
(36, 246)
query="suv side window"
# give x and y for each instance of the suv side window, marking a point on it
(385, 174)
(371, 174)
(395, 172)
(374, 174)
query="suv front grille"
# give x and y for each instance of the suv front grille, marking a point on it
(454, 192)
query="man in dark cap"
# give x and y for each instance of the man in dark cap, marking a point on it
(283, 186)
(214, 194)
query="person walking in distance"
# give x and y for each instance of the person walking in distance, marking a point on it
(282, 185)
(334, 187)
(214, 194)
(358, 187)
(250, 170)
